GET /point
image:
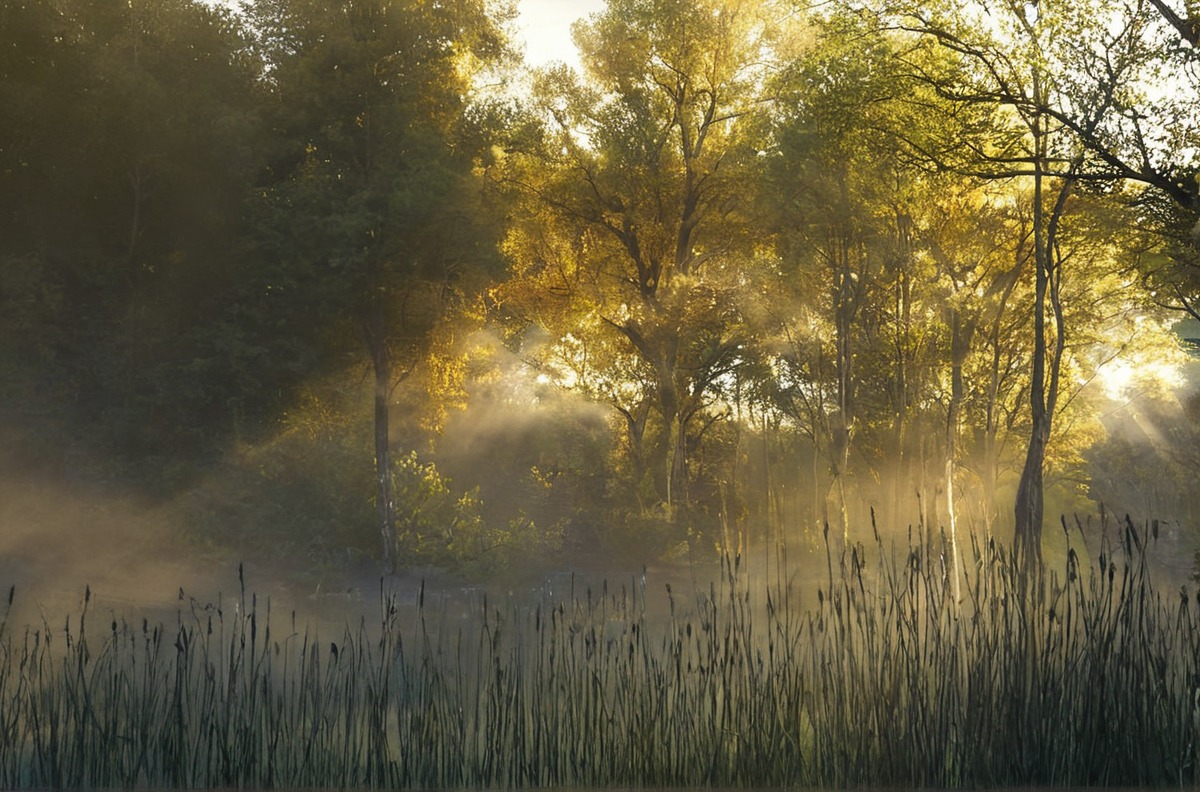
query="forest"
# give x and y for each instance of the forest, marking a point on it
(346, 281)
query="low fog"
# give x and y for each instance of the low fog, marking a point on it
(530, 457)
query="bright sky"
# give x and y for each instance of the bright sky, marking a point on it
(546, 27)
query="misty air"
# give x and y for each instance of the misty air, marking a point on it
(749, 394)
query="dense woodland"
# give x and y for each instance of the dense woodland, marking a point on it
(346, 280)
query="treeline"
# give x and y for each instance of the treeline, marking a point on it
(347, 280)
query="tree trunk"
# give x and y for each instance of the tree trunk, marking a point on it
(989, 468)
(635, 431)
(820, 497)
(668, 448)
(770, 520)
(901, 475)
(1029, 510)
(679, 464)
(843, 430)
(960, 344)
(375, 332)
(1030, 506)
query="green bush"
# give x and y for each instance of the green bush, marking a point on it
(437, 525)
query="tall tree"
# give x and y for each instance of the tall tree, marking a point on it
(366, 211)
(635, 205)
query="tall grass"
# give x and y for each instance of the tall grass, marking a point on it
(1086, 675)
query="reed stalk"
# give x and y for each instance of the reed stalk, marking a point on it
(1088, 676)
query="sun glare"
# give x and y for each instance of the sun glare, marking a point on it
(1126, 377)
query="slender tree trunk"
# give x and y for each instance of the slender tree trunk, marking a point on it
(901, 475)
(820, 509)
(635, 429)
(1029, 510)
(670, 447)
(1030, 505)
(679, 466)
(960, 344)
(843, 516)
(375, 333)
(769, 513)
(843, 430)
(990, 464)
(673, 445)
(843, 251)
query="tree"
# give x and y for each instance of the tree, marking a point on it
(367, 209)
(634, 215)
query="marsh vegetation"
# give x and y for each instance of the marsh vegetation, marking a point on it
(876, 675)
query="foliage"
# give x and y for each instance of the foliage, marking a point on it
(438, 526)
(127, 141)
(299, 496)
(633, 234)
(750, 271)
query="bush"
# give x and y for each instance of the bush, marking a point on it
(437, 525)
